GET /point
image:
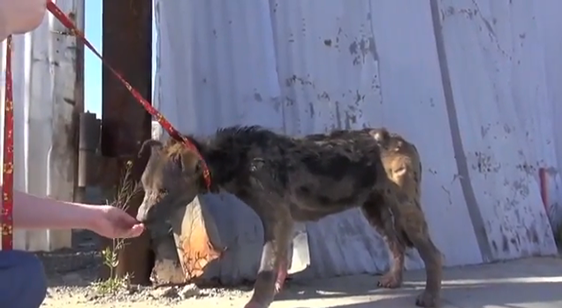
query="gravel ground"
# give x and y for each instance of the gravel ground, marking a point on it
(72, 273)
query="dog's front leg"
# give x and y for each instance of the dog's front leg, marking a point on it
(278, 229)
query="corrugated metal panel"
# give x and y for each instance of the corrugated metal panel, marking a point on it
(284, 65)
(549, 23)
(223, 67)
(47, 97)
(499, 89)
(360, 73)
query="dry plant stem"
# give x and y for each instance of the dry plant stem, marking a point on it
(125, 191)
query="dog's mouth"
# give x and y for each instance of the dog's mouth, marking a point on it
(149, 223)
(143, 216)
(153, 215)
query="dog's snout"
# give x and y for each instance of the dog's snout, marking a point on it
(142, 214)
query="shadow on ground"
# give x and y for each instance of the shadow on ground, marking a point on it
(534, 282)
(76, 266)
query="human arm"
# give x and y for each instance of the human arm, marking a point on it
(20, 16)
(31, 212)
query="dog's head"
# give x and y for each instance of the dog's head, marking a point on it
(173, 177)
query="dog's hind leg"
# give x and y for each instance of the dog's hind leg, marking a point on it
(413, 222)
(381, 218)
(409, 219)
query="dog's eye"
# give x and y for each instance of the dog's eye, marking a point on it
(163, 191)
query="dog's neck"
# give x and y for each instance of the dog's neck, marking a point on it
(227, 153)
(222, 160)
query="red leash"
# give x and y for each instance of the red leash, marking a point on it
(7, 172)
(67, 22)
(8, 159)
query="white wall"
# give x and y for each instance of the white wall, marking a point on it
(47, 89)
(466, 81)
(548, 23)
(498, 79)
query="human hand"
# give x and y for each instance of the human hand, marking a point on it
(112, 222)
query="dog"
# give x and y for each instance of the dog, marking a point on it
(293, 179)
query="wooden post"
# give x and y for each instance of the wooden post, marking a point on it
(127, 46)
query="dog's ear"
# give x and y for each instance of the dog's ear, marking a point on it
(190, 162)
(152, 144)
(381, 135)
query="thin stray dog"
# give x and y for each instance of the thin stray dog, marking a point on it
(286, 179)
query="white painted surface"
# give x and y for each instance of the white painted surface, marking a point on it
(46, 88)
(548, 22)
(499, 88)
(311, 66)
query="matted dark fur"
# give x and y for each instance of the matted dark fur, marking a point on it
(286, 179)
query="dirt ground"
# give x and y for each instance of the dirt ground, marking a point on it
(526, 283)
(72, 273)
